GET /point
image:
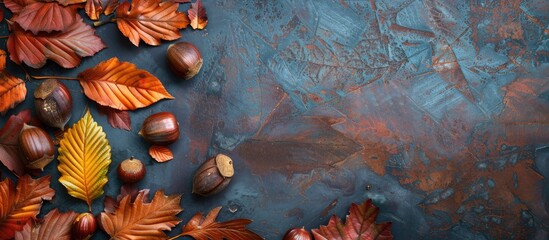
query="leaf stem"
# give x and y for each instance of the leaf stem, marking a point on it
(4, 37)
(54, 77)
(102, 22)
(177, 236)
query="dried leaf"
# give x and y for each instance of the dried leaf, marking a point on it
(121, 85)
(84, 158)
(55, 226)
(150, 21)
(3, 55)
(67, 2)
(360, 224)
(205, 228)
(160, 153)
(12, 91)
(117, 118)
(9, 150)
(19, 204)
(111, 6)
(197, 15)
(65, 48)
(16, 6)
(46, 17)
(140, 220)
(93, 9)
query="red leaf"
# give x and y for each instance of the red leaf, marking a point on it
(9, 150)
(46, 17)
(360, 224)
(65, 48)
(197, 15)
(117, 118)
(160, 153)
(16, 6)
(205, 228)
(94, 8)
(55, 226)
(68, 2)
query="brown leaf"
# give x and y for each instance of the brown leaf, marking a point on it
(111, 6)
(117, 118)
(67, 2)
(140, 220)
(9, 150)
(12, 91)
(94, 8)
(16, 6)
(46, 17)
(55, 226)
(19, 204)
(160, 153)
(150, 21)
(65, 48)
(197, 15)
(121, 85)
(3, 55)
(360, 224)
(205, 228)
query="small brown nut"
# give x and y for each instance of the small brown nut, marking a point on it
(297, 234)
(37, 147)
(131, 170)
(84, 226)
(213, 176)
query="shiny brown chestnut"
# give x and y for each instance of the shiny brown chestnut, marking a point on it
(131, 170)
(160, 128)
(184, 59)
(53, 103)
(297, 234)
(213, 175)
(84, 226)
(36, 146)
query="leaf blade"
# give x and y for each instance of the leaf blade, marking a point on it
(197, 15)
(12, 91)
(56, 226)
(46, 17)
(160, 153)
(204, 228)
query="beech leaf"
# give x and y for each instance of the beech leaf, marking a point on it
(160, 153)
(9, 148)
(65, 48)
(150, 21)
(16, 6)
(197, 15)
(84, 158)
(20, 204)
(94, 8)
(55, 226)
(121, 85)
(360, 224)
(68, 2)
(141, 220)
(12, 91)
(46, 17)
(116, 118)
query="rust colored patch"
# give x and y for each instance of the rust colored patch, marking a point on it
(328, 208)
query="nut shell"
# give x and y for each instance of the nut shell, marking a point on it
(131, 170)
(84, 226)
(160, 128)
(37, 147)
(53, 103)
(184, 59)
(208, 179)
(297, 234)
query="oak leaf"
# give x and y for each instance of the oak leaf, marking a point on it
(117, 118)
(197, 15)
(205, 228)
(55, 226)
(12, 89)
(150, 21)
(121, 85)
(46, 17)
(360, 224)
(84, 158)
(20, 204)
(65, 48)
(141, 220)
(9, 145)
(160, 153)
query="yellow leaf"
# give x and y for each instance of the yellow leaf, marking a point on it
(84, 158)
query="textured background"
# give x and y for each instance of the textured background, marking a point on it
(435, 109)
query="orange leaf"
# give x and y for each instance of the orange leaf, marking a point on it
(16, 6)
(65, 48)
(201, 228)
(46, 17)
(112, 5)
(19, 204)
(9, 145)
(68, 2)
(160, 153)
(141, 220)
(55, 226)
(3, 55)
(116, 118)
(94, 8)
(121, 85)
(150, 21)
(360, 225)
(12, 90)
(197, 15)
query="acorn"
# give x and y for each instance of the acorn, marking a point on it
(160, 128)
(297, 234)
(213, 175)
(84, 226)
(184, 59)
(53, 103)
(36, 146)
(131, 170)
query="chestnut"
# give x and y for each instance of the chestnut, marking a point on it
(213, 175)
(160, 128)
(131, 170)
(184, 59)
(84, 226)
(297, 234)
(53, 103)
(36, 146)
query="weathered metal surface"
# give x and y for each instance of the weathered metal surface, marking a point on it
(438, 110)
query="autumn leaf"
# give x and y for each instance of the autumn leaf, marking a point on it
(55, 226)
(360, 224)
(160, 153)
(94, 8)
(84, 158)
(19, 204)
(150, 21)
(46, 17)
(9, 147)
(141, 220)
(68, 2)
(121, 85)
(65, 48)
(116, 118)
(12, 89)
(206, 228)
(16, 6)
(197, 15)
